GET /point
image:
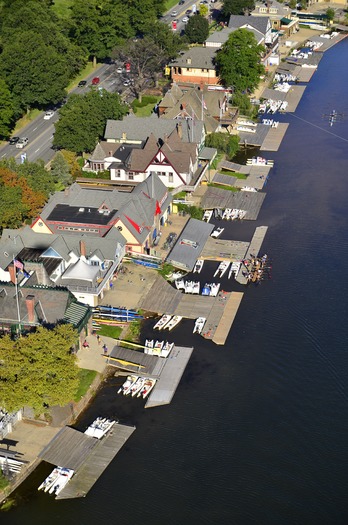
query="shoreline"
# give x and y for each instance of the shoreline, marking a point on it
(77, 411)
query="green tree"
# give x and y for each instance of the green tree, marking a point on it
(7, 110)
(60, 171)
(197, 29)
(35, 174)
(239, 61)
(169, 42)
(36, 73)
(224, 143)
(237, 7)
(330, 14)
(203, 10)
(147, 59)
(83, 118)
(99, 26)
(38, 370)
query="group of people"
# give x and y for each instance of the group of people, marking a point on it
(85, 344)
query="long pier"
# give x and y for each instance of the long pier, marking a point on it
(220, 320)
(254, 249)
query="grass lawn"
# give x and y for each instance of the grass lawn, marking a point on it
(86, 378)
(169, 4)
(83, 73)
(233, 174)
(110, 331)
(133, 332)
(222, 187)
(146, 108)
(217, 160)
(61, 7)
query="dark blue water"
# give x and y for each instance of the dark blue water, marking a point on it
(257, 431)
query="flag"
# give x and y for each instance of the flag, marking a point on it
(158, 209)
(18, 264)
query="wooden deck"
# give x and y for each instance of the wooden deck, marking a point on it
(254, 249)
(274, 137)
(230, 311)
(169, 380)
(96, 462)
(293, 98)
(223, 250)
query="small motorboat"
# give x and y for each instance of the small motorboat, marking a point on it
(162, 322)
(99, 428)
(137, 386)
(196, 288)
(127, 390)
(65, 475)
(206, 289)
(173, 322)
(50, 480)
(147, 387)
(207, 215)
(198, 266)
(235, 266)
(157, 349)
(125, 385)
(222, 268)
(217, 232)
(214, 289)
(199, 324)
(167, 348)
(226, 214)
(189, 286)
(180, 284)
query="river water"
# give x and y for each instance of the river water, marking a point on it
(257, 431)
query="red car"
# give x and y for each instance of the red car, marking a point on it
(95, 81)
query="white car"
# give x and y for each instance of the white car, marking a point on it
(49, 114)
(119, 69)
(185, 19)
(174, 14)
(22, 143)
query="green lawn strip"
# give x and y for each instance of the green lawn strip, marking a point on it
(233, 174)
(222, 187)
(146, 106)
(217, 160)
(133, 332)
(110, 331)
(86, 378)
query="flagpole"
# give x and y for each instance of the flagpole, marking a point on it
(202, 109)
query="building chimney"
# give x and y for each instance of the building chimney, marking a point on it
(83, 249)
(124, 136)
(30, 304)
(110, 153)
(180, 130)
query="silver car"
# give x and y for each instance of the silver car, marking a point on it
(22, 142)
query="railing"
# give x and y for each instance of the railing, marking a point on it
(95, 289)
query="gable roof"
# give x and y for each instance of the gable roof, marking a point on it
(137, 129)
(259, 23)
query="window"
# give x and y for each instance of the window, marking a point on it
(170, 177)
(130, 176)
(117, 174)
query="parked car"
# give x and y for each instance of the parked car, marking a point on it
(82, 83)
(13, 140)
(49, 114)
(181, 2)
(174, 14)
(188, 11)
(119, 69)
(185, 19)
(95, 81)
(22, 142)
(126, 82)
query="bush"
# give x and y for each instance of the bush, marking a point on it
(193, 211)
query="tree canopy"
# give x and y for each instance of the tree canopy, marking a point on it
(224, 143)
(38, 370)
(82, 120)
(239, 61)
(197, 29)
(237, 7)
(7, 110)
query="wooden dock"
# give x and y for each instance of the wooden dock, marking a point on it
(274, 137)
(293, 97)
(220, 319)
(242, 200)
(88, 456)
(223, 250)
(254, 249)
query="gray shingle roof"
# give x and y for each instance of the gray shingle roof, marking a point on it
(196, 57)
(138, 129)
(260, 23)
(183, 255)
(220, 37)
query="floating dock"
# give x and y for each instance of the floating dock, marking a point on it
(86, 455)
(254, 249)
(167, 371)
(274, 137)
(251, 202)
(220, 320)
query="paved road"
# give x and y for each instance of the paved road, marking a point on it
(40, 132)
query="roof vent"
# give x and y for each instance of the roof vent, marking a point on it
(119, 228)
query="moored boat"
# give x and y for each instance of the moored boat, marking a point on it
(162, 322)
(222, 268)
(214, 289)
(180, 284)
(207, 215)
(198, 266)
(173, 322)
(199, 324)
(167, 348)
(127, 390)
(217, 232)
(147, 387)
(99, 428)
(196, 287)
